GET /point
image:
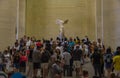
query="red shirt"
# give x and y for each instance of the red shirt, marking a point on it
(38, 44)
(23, 58)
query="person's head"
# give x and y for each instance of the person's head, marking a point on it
(70, 39)
(112, 75)
(5, 51)
(58, 38)
(16, 44)
(31, 47)
(77, 38)
(51, 39)
(77, 46)
(59, 44)
(8, 47)
(118, 48)
(99, 40)
(57, 51)
(65, 39)
(108, 50)
(94, 43)
(28, 38)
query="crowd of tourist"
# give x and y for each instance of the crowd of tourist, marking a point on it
(57, 58)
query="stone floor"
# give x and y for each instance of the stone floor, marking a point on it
(87, 66)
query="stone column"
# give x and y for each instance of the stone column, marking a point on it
(111, 22)
(22, 16)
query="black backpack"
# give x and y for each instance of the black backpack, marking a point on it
(108, 58)
(77, 54)
(45, 56)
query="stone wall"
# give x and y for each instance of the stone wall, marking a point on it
(111, 22)
(8, 13)
(84, 16)
(41, 18)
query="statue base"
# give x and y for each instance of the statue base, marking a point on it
(61, 37)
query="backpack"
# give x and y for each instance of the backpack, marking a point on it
(108, 58)
(77, 54)
(45, 56)
(56, 69)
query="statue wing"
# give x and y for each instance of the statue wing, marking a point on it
(66, 21)
(59, 21)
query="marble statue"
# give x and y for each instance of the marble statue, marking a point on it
(61, 25)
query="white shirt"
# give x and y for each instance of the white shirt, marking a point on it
(67, 57)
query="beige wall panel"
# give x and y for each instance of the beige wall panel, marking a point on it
(7, 22)
(112, 23)
(42, 14)
(8, 11)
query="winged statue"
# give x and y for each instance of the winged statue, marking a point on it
(61, 24)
